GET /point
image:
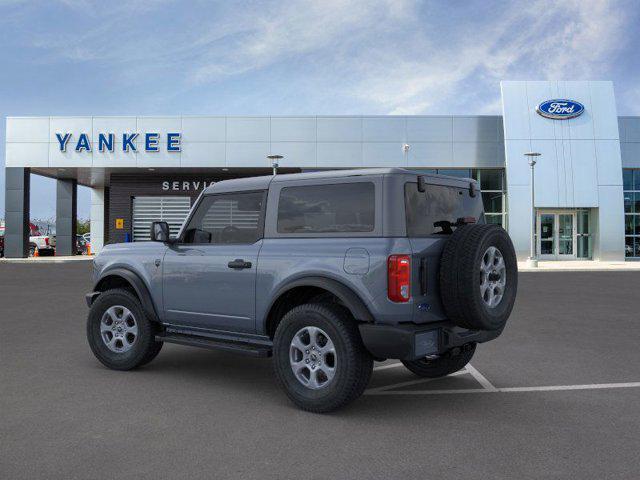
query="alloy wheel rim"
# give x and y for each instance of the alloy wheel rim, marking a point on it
(118, 329)
(313, 359)
(493, 277)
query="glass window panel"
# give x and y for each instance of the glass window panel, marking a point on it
(475, 174)
(584, 246)
(492, 202)
(346, 207)
(628, 202)
(637, 224)
(583, 221)
(455, 172)
(494, 219)
(426, 210)
(636, 179)
(629, 247)
(627, 178)
(629, 224)
(636, 202)
(228, 219)
(491, 180)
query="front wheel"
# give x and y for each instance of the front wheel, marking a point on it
(119, 333)
(319, 358)
(443, 365)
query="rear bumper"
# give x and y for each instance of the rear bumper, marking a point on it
(410, 342)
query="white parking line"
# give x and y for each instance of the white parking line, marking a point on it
(487, 386)
(546, 388)
(590, 386)
(410, 382)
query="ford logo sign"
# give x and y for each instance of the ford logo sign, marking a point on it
(560, 109)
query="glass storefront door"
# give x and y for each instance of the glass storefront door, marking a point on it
(556, 235)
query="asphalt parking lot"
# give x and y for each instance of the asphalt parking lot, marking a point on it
(203, 414)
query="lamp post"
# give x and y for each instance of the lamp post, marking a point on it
(532, 261)
(274, 162)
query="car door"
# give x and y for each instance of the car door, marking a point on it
(209, 275)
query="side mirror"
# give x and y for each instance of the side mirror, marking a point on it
(159, 232)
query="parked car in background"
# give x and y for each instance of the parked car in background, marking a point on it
(1, 242)
(81, 245)
(44, 242)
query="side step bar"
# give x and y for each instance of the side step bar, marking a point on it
(252, 350)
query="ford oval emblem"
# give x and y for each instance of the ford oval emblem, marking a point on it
(560, 109)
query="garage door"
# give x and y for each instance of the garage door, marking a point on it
(172, 210)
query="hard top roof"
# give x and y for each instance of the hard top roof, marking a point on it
(263, 182)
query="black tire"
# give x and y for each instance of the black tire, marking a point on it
(32, 249)
(152, 353)
(443, 365)
(143, 349)
(353, 364)
(461, 277)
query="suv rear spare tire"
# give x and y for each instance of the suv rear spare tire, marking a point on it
(479, 277)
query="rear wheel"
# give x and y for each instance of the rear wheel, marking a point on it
(319, 358)
(119, 333)
(443, 365)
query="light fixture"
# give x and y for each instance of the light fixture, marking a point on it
(225, 169)
(532, 261)
(275, 162)
(151, 169)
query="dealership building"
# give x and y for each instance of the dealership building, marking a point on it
(139, 169)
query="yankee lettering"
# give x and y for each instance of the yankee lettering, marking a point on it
(129, 142)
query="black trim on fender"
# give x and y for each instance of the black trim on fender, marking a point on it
(91, 297)
(138, 285)
(347, 296)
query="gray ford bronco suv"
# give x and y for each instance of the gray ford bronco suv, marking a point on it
(324, 271)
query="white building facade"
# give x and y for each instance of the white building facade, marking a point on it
(147, 168)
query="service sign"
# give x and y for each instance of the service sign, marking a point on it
(149, 141)
(560, 109)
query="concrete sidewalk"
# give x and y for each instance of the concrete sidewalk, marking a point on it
(579, 266)
(53, 259)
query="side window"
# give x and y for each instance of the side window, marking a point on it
(343, 207)
(227, 219)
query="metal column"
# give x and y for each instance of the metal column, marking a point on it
(66, 217)
(17, 189)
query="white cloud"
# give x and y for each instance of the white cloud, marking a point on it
(542, 40)
(392, 56)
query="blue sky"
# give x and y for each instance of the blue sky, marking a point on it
(76, 57)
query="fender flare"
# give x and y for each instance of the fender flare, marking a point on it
(138, 285)
(347, 296)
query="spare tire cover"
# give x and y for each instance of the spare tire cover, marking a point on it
(479, 277)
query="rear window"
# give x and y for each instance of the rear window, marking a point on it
(345, 207)
(425, 210)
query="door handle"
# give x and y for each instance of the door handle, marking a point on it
(239, 264)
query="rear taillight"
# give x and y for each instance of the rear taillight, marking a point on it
(399, 278)
(46, 241)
